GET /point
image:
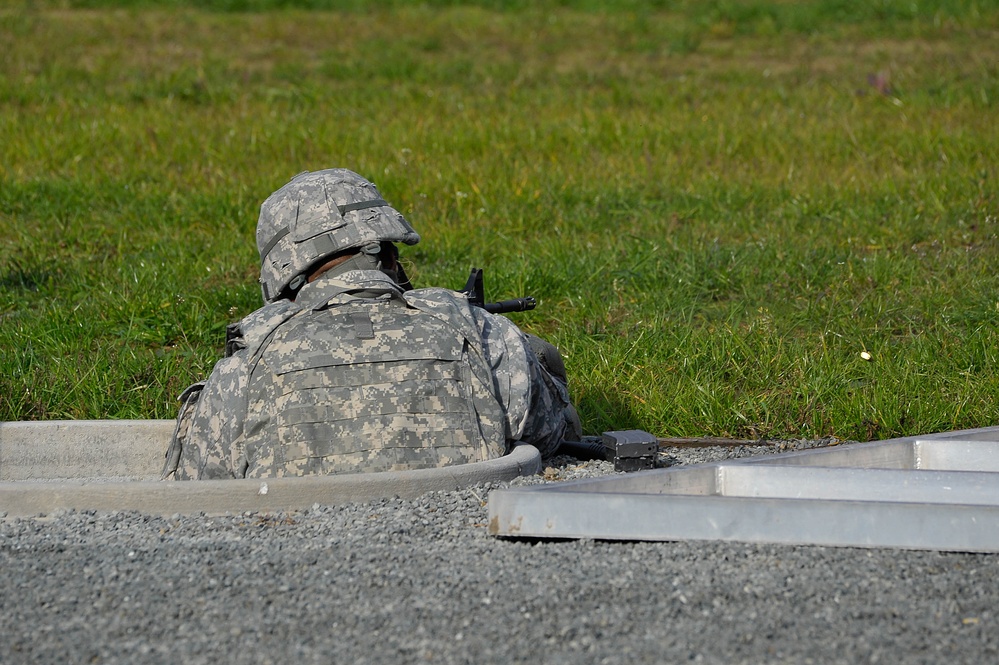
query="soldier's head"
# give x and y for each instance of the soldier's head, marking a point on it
(320, 216)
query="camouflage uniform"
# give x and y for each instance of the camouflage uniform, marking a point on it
(356, 371)
(357, 375)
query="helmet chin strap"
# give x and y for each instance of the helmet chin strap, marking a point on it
(297, 282)
(400, 277)
(366, 259)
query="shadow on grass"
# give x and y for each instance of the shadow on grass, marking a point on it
(18, 278)
(603, 411)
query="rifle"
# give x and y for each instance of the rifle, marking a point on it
(475, 291)
(629, 450)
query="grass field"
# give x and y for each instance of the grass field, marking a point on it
(719, 205)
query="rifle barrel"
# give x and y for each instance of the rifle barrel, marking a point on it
(513, 305)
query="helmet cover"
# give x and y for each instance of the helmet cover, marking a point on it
(316, 216)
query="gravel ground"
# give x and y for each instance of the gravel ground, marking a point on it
(396, 581)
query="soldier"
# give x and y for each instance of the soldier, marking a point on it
(347, 368)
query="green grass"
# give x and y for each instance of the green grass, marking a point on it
(719, 205)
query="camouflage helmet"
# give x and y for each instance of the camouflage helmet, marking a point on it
(316, 216)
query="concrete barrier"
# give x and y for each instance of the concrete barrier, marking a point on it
(113, 465)
(44, 450)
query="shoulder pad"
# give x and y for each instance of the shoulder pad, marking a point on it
(233, 339)
(449, 306)
(192, 392)
(254, 328)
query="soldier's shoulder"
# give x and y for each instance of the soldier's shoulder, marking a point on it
(438, 299)
(252, 329)
(449, 306)
(455, 308)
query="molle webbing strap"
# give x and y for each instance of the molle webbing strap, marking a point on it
(363, 327)
(361, 205)
(282, 232)
(344, 209)
(323, 245)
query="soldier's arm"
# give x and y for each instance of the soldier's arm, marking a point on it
(209, 449)
(536, 403)
(550, 413)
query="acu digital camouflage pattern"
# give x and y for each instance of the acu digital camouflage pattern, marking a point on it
(337, 383)
(316, 215)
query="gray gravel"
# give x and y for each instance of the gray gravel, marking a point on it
(420, 581)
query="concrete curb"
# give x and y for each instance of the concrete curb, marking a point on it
(47, 466)
(125, 449)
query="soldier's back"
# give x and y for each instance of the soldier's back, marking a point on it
(366, 385)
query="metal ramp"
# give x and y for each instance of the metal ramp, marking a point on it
(936, 492)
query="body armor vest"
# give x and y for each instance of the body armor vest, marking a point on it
(368, 385)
